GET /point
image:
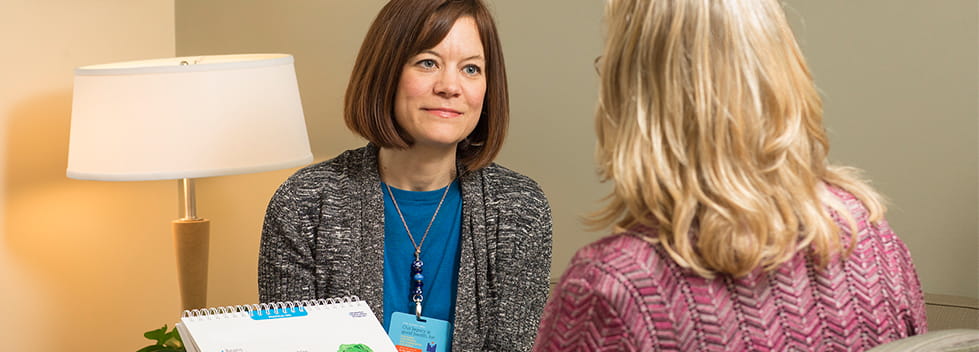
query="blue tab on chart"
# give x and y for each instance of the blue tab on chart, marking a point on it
(278, 313)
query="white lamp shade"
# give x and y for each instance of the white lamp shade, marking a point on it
(186, 117)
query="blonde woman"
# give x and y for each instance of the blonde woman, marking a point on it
(731, 231)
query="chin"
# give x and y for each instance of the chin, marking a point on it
(438, 142)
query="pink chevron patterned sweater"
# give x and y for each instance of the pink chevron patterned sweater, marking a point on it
(622, 293)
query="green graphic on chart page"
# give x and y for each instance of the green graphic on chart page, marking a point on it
(354, 348)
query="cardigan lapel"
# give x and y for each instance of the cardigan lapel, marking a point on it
(369, 279)
(471, 301)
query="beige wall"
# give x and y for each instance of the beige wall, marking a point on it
(550, 49)
(899, 81)
(84, 266)
(90, 264)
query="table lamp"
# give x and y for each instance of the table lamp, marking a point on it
(184, 118)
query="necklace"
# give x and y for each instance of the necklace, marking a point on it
(417, 278)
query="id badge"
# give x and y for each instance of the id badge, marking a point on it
(411, 335)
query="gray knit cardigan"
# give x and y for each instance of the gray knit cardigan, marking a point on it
(324, 237)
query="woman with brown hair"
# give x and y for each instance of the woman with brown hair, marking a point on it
(420, 221)
(731, 230)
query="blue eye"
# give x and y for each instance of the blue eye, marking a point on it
(472, 70)
(427, 63)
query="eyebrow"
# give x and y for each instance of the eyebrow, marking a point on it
(474, 57)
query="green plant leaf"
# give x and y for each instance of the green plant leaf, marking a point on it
(154, 348)
(159, 335)
(166, 341)
(174, 342)
(176, 336)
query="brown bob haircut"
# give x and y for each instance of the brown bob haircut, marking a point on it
(401, 30)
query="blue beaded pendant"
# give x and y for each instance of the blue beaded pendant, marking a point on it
(417, 280)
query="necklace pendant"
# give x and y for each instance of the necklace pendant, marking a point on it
(417, 281)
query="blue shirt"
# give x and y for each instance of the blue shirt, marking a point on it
(439, 252)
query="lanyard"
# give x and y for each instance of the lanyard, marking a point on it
(417, 264)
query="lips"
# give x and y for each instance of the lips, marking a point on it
(443, 112)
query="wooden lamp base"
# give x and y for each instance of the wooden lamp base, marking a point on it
(191, 239)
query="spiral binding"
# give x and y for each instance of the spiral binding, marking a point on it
(265, 308)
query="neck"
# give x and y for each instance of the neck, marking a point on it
(417, 168)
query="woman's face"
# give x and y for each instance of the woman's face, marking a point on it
(440, 94)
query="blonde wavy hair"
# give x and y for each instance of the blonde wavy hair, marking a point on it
(710, 128)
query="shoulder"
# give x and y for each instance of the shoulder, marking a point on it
(619, 272)
(876, 242)
(618, 253)
(346, 164)
(503, 184)
(624, 262)
(630, 273)
(310, 180)
(850, 201)
(876, 230)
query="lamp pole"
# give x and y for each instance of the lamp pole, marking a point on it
(191, 237)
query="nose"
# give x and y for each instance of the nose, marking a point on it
(448, 84)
